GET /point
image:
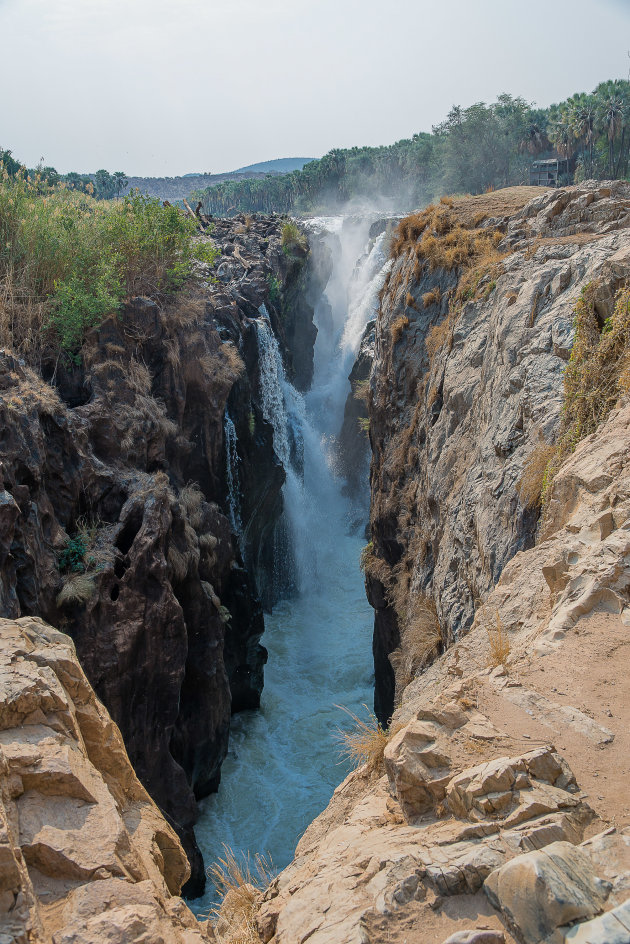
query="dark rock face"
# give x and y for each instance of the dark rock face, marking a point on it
(114, 523)
(354, 448)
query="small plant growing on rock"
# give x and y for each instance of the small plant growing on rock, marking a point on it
(72, 556)
(397, 328)
(433, 297)
(240, 883)
(275, 290)
(365, 743)
(499, 644)
(531, 483)
(364, 424)
(293, 240)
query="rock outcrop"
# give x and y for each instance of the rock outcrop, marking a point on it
(467, 383)
(115, 516)
(85, 855)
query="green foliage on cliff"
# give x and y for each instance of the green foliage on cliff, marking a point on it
(67, 261)
(485, 146)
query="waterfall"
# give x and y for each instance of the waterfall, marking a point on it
(283, 763)
(283, 407)
(232, 460)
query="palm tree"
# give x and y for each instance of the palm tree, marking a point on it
(561, 132)
(611, 110)
(583, 116)
(121, 181)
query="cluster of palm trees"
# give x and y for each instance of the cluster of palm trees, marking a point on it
(594, 129)
(482, 147)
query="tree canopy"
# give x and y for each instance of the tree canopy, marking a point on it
(475, 149)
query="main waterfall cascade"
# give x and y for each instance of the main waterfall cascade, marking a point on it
(283, 763)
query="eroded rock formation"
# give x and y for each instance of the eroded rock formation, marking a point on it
(500, 811)
(466, 384)
(114, 520)
(85, 855)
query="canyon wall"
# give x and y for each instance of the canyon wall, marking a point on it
(494, 808)
(467, 382)
(115, 516)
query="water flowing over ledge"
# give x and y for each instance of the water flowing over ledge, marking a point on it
(283, 762)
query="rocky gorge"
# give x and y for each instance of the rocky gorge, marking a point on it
(142, 516)
(115, 512)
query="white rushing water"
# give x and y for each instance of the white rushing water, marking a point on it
(283, 763)
(232, 461)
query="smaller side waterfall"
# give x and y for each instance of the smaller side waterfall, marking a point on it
(232, 460)
(284, 409)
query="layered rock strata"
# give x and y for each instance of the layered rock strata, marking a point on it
(115, 520)
(467, 382)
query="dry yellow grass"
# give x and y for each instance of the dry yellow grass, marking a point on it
(397, 328)
(374, 566)
(77, 589)
(434, 297)
(364, 743)
(499, 644)
(240, 884)
(440, 335)
(191, 498)
(530, 485)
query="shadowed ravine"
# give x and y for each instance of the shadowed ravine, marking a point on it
(284, 763)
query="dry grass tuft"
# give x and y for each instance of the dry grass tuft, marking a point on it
(139, 377)
(420, 633)
(440, 335)
(374, 566)
(434, 297)
(397, 328)
(596, 377)
(365, 743)
(77, 589)
(361, 390)
(240, 883)
(531, 483)
(499, 644)
(191, 497)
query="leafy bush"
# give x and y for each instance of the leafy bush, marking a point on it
(293, 239)
(275, 290)
(67, 260)
(72, 556)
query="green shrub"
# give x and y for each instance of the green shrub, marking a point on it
(275, 290)
(293, 239)
(72, 556)
(66, 260)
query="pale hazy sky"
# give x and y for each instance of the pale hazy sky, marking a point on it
(173, 86)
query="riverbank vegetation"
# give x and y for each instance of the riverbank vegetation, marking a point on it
(474, 150)
(68, 260)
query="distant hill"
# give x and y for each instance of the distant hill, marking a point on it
(176, 188)
(283, 165)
